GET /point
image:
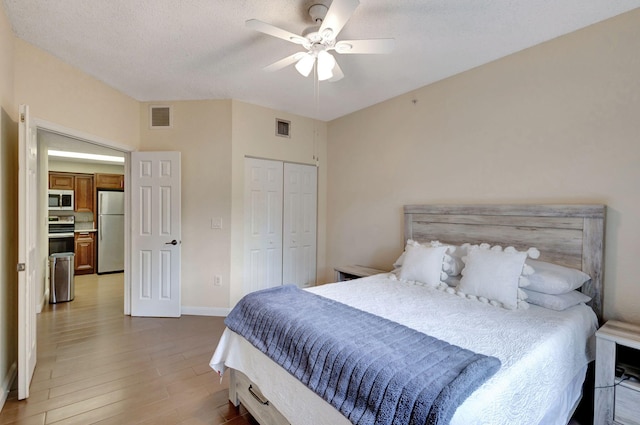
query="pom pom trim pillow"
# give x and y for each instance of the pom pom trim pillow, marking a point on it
(423, 264)
(494, 275)
(445, 267)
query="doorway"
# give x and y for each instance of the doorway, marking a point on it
(33, 207)
(86, 158)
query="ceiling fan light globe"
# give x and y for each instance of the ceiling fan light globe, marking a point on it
(305, 64)
(326, 63)
(323, 76)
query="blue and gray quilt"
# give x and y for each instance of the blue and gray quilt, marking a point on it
(373, 370)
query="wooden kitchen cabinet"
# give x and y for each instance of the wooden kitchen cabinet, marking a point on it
(109, 181)
(85, 253)
(61, 181)
(84, 193)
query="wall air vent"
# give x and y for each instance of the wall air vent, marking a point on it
(283, 128)
(160, 116)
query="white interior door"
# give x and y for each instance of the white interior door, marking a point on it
(299, 224)
(155, 234)
(263, 224)
(27, 249)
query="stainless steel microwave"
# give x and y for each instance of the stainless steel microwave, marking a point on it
(61, 199)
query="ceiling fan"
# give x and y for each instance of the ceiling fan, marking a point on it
(319, 40)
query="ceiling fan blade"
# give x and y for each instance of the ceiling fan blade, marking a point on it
(269, 29)
(339, 13)
(373, 46)
(282, 63)
(337, 73)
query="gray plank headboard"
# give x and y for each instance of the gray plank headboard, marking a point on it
(570, 235)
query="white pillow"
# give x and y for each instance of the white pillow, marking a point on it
(557, 302)
(423, 264)
(452, 281)
(494, 275)
(398, 263)
(554, 279)
(455, 263)
(446, 260)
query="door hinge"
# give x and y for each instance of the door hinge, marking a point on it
(21, 117)
(21, 267)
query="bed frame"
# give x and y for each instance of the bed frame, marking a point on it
(570, 235)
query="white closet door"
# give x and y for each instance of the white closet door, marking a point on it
(263, 224)
(299, 224)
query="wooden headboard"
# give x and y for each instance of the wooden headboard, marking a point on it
(570, 235)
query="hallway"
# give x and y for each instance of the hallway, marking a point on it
(96, 365)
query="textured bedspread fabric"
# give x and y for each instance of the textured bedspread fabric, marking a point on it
(373, 370)
(541, 351)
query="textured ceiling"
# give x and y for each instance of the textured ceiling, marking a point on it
(156, 50)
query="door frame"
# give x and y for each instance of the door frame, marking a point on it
(41, 124)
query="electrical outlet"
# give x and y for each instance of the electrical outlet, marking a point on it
(216, 223)
(217, 281)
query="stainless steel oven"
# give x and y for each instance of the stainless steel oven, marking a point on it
(61, 234)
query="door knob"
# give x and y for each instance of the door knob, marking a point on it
(173, 242)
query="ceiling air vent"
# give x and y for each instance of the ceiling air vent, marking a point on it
(283, 128)
(160, 116)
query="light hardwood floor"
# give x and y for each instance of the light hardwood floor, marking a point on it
(96, 365)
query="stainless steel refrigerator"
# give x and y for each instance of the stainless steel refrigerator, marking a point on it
(110, 231)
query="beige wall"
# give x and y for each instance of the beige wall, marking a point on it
(254, 135)
(201, 131)
(61, 94)
(8, 207)
(559, 122)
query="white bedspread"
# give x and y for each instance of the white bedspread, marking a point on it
(541, 350)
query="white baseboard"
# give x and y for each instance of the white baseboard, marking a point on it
(205, 311)
(7, 382)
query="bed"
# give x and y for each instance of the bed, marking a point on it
(543, 353)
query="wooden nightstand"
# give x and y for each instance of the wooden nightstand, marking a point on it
(354, 272)
(617, 399)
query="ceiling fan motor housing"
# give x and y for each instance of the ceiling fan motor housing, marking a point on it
(318, 12)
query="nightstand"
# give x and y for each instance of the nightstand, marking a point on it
(617, 398)
(354, 272)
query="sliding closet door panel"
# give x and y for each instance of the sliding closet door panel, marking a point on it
(263, 224)
(300, 224)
